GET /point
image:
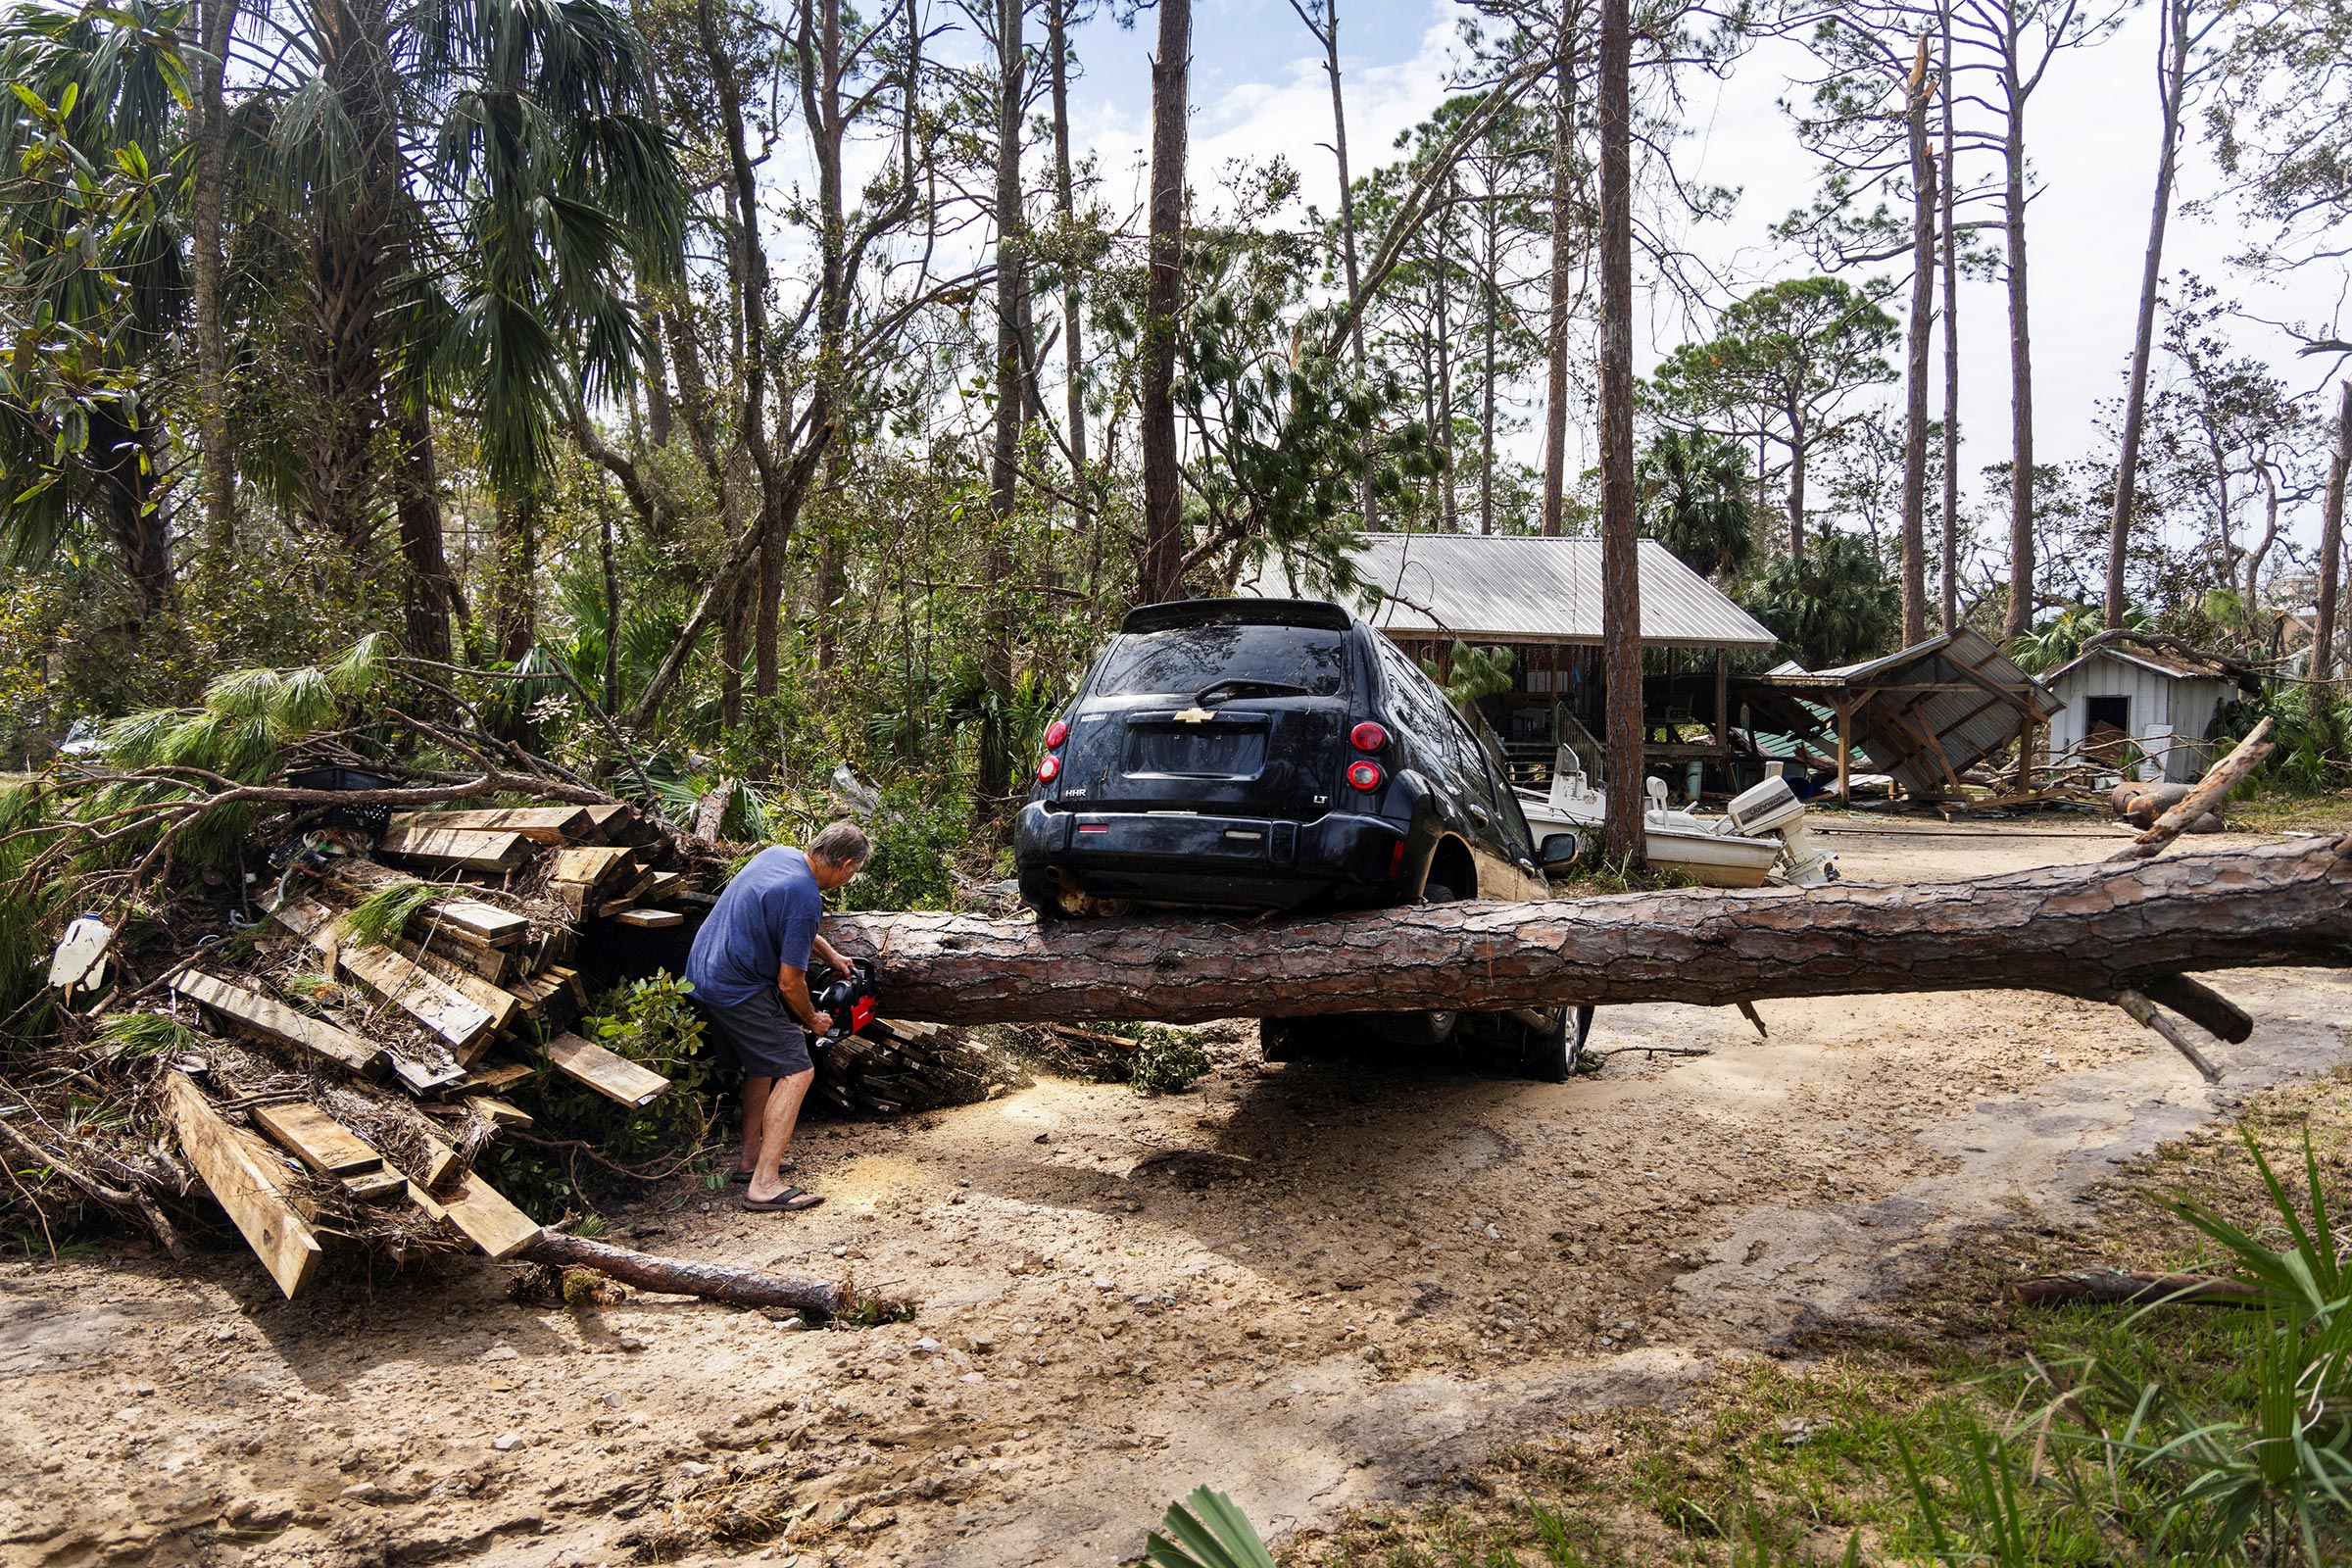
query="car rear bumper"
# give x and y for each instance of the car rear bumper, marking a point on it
(1185, 858)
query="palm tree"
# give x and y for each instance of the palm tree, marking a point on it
(1832, 604)
(462, 194)
(1694, 501)
(90, 281)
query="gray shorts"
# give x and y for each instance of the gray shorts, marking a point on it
(757, 1036)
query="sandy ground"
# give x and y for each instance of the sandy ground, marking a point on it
(1312, 1284)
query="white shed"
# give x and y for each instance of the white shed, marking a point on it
(2162, 702)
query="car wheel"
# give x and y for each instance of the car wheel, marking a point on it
(1548, 1055)
(1293, 1039)
(1437, 1025)
(1042, 893)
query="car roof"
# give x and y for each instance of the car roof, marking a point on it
(1314, 613)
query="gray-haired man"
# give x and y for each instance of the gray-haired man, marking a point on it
(750, 971)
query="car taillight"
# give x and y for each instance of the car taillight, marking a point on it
(1367, 737)
(1396, 861)
(1048, 770)
(1364, 775)
(1055, 733)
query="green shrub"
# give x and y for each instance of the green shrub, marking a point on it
(1167, 1060)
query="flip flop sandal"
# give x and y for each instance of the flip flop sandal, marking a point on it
(791, 1200)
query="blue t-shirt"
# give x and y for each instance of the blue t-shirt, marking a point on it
(766, 919)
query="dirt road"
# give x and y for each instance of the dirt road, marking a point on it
(1311, 1285)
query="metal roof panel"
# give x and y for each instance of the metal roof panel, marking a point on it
(1524, 588)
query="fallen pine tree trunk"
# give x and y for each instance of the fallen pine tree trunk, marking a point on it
(2090, 931)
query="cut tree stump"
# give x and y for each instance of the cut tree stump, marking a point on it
(2090, 931)
(235, 1169)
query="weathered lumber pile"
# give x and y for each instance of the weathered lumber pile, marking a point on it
(353, 1054)
(359, 1061)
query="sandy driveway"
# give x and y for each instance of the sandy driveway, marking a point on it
(1310, 1285)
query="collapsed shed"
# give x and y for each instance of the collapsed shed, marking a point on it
(1924, 715)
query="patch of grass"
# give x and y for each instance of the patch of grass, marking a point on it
(1975, 1432)
(2290, 811)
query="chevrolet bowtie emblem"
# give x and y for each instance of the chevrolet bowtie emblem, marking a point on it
(1194, 716)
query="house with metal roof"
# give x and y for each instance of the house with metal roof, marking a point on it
(2139, 709)
(1541, 598)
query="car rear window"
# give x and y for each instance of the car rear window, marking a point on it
(1185, 659)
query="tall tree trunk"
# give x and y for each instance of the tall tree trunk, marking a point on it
(658, 415)
(1441, 427)
(2332, 542)
(2090, 931)
(2172, 80)
(428, 589)
(1800, 447)
(1327, 33)
(1057, 46)
(730, 656)
(1620, 571)
(1163, 572)
(205, 197)
(1915, 354)
(996, 655)
(515, 598)
(749, 275)
(611, 568)
(2020, 363)
(1945, 186)
(352, 250)
(1486, 412)
(1563, 238)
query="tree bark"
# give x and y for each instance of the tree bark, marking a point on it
(1620, 572)
(1489, 288)
(2171, 81)
(669, 1276)
(2021, 368)
(2332, 543)
(1058, 47)
(1563, 237)
(429, 590)
(1162, 574)
(207, 195)
(1326, 31)
(995, 780)
(2090, 931)
(1950, 542)
(1915, 356)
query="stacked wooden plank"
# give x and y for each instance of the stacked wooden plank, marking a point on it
(483, 963)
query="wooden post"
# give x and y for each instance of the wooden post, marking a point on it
(1846, 754)
(1723, 701)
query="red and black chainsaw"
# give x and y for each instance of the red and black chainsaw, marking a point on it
(850, 1001)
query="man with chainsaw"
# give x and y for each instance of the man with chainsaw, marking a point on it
(750, 971)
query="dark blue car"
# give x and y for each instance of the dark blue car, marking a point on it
(1256, 754)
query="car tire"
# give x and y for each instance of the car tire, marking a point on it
(1548, 1055)
(1042, 893)
(1437, 1025)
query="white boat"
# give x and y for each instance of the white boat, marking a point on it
(1764, 827)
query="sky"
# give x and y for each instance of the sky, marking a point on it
(1258, 87)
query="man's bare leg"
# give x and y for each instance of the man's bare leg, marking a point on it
(755, 1115)
(775, 1134)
